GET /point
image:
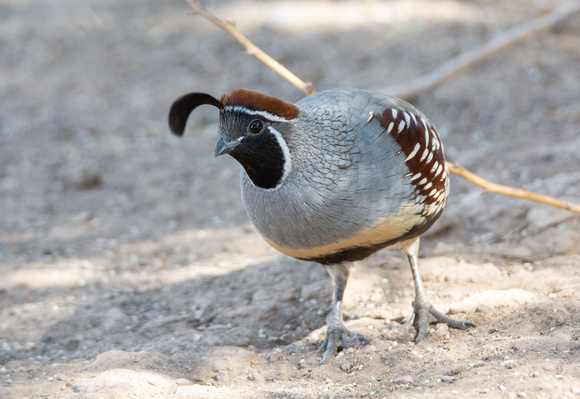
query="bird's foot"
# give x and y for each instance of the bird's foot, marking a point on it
(404, 326)
(424, 315)
(339, 337)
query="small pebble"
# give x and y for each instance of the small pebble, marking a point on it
(404, 380)
(510, 364)
(442, 330)
(220, 377)
(457, 369)
(345, 367)
(448, 379)
(257, 377)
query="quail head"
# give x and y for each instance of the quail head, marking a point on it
(332, 179)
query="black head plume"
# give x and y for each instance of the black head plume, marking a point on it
(184, 105)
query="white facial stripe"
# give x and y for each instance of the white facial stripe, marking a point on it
(264, 114)
(287, 157)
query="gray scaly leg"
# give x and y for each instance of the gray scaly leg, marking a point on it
(337, 334)
(425, 313)
(424, 310)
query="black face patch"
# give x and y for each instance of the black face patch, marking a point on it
(258, 149)
(262, 159)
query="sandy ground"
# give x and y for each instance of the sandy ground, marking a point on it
(129, 269)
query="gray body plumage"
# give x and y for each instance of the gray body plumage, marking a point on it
(345, 173)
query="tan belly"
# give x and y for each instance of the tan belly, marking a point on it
(384, 230)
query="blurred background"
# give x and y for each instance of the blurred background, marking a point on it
(108, 222)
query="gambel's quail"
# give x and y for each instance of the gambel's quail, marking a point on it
(332, 179)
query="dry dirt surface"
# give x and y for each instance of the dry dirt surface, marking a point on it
(128, 268)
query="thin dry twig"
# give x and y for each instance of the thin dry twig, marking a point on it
(445, 71)
(510, 191)
(251, 48)
(414, 87)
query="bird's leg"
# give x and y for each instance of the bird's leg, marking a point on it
(424, 312)
(337, 334)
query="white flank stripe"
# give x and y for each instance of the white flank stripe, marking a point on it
(391, 125)
(425, 153)
(430, 157)
(418, 175)
(436, 143)
(401, 126)
(439, 169)
(423, 181)
(394, 113)
(415, 150)
(407, 117)
(435, 165)
(413, 116)
(428, 186)
(371, 116)
(427, 134)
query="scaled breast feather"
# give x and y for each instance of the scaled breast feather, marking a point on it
(260, 102)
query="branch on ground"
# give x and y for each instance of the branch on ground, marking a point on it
(413, 88)
(510, 191)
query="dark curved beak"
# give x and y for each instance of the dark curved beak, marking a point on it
(224, 146)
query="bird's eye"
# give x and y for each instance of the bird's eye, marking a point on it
(256, 126)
